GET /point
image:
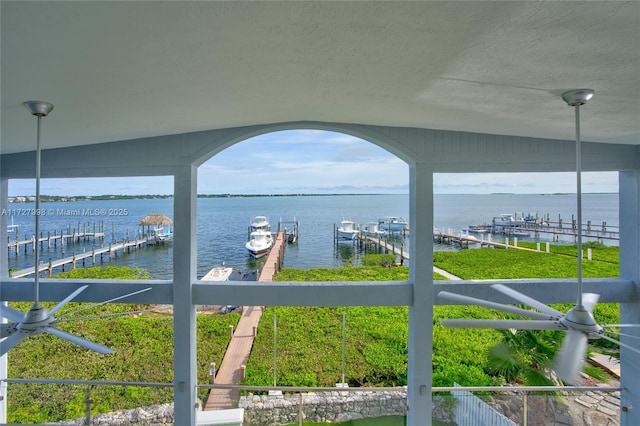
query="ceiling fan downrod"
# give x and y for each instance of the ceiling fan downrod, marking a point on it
(577, 98)
(39, 109)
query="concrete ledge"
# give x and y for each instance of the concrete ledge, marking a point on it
(231, 417)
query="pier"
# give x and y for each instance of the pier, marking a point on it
(599, 232)
(237, 355)
(14, 246)
(388, 247)
(464, 240)
(110, 250)
(509, 224)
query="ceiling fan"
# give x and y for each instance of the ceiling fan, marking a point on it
(578, 322)
(38, 319)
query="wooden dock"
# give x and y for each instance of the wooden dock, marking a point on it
(235, 359)
(464, 240)
(557, 229)
(110, 250)
(274, 259)
(14, 246)
(388, 247)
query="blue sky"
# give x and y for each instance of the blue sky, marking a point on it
(313, 161)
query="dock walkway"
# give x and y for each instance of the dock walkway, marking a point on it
(14, 246)
(111, 249)
(388, 247)
(231, 371)
(462, 239)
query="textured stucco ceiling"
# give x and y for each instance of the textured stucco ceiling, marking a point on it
(120, 70)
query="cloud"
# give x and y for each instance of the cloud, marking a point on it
(314, 161)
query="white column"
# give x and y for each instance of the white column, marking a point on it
(421, 311)
(630, 312)
(4, 268)
(4, 207)
(184, 311)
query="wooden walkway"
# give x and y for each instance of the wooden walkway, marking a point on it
(388, 247)
(111, 249)
(14, 246)
(231, 371)
(462, 239)
(589, 230)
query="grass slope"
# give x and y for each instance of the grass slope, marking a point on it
(144, 345)
(309, 339)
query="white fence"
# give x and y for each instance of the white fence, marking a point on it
(472, 411)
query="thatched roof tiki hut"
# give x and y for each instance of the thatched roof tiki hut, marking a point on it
(157, 220)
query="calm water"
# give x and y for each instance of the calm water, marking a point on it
(223, 222)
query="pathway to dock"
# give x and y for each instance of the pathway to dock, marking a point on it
(231, 371)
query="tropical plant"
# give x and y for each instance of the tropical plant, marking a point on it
(524, 356)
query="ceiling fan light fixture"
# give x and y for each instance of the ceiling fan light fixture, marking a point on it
(578, 96)
(38, 108)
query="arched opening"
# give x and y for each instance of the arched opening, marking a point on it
(310, 180)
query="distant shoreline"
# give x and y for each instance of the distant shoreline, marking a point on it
(71, 198)
(67, 198)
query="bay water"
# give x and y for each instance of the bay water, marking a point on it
(222, 227)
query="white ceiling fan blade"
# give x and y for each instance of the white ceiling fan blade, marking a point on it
(11, 314)
(95, 305)
(623, 334)
(589, 301)
(11, 341)
(493, 305)
(96, 347)
(621, 325)
(523, 298)
(624, 345)
(503, 324)
(68, 299)
(569, 361)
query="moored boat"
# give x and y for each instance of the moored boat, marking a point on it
(347, 230)
(259, 243)
(478, 229)
(260, 222)
(393, 224)
(219, 273)
(372, 229)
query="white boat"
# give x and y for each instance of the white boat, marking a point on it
(478, 229)
(219, 273)
(163, 234)
(259, 243)
(372, 229)
(347, 230)
(393, 224)
(508, 220)
(260, 222)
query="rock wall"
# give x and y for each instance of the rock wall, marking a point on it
(153, 415)
(321, 407)
(285, 409)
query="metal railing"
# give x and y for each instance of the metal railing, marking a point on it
(522, 393)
